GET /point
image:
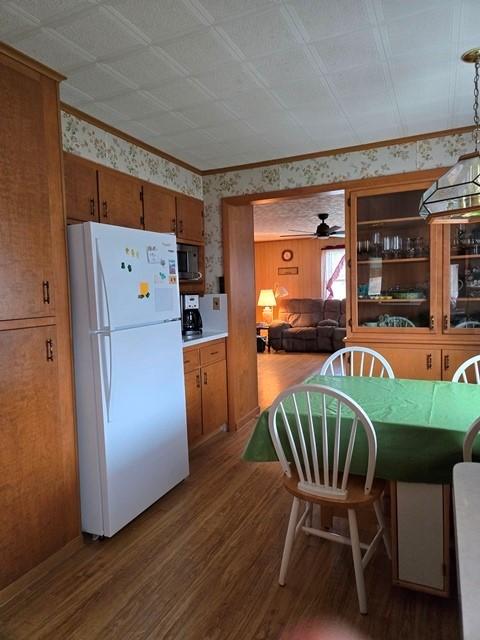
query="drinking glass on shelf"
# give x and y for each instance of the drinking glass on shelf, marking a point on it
(387, 247)
(419, 247)
(410, 247)
(397, 244)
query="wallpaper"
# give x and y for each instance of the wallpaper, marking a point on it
(382, 161)
(93, 143)
(88, 141)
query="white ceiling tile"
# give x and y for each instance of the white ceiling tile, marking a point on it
(368, 80)
(324, 18)
(228, 79)
(285, 66)
(145, 67)
(351, 50)
(229, 131)
(429, 30)
(222, 9)
(166, 123)
(470, 21)
(181, 94)
(294, 135)
(98, 81)
(137, 130)
(393, 9)
(199, 51)
(102, 112)
(48, 47)
(258, 34)
(157, 20)
(251, 102)
(99, 33)
(45, 10)
(12, 22)
(73, 96)
(272, 123)
(193, 138)
(133, 105)
(303, 92)
(208, 114)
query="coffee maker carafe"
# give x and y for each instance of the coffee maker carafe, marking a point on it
(191, 318)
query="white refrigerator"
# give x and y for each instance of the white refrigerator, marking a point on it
(130, 395)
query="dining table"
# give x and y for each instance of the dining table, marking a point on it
(419, 424)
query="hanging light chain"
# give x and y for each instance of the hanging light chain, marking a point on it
(475, 104)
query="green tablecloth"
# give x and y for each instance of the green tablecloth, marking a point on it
(420, 426)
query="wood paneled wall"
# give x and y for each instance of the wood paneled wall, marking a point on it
(307, 256)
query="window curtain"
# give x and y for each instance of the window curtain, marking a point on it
(333, 264)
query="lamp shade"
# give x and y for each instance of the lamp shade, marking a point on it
(266, 298)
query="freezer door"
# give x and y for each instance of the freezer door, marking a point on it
(144, 426)
(136, 276)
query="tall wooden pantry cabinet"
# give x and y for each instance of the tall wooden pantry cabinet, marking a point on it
(39, 511)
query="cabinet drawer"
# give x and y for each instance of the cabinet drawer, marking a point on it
(212, 352)
(191, 360)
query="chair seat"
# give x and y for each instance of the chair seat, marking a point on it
(356, 498)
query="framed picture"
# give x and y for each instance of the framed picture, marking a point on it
(288, 271)
(287, 255)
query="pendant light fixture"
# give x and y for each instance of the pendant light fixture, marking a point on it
(456, 194)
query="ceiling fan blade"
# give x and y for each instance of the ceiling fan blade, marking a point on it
(297, 235)
(341, 232)
(334, 228)
(300, 230)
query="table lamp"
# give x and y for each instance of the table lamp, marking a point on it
(266, 299)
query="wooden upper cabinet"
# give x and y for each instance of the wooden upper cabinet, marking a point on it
(26, 285)
(158, 209)
(80, 189)
(189, 219)
(120, 199)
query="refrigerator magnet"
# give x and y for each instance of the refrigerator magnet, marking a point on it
(143, 290)
(172, 279)
(171, 267)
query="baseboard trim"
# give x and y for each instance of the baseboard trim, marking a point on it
(247, 418)
(40, 570)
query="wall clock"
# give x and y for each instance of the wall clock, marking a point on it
(287, 255)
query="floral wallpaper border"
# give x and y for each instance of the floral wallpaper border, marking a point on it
(381, 161)
(91, 142)
(88, 141)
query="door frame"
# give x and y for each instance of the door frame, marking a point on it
(236, 420)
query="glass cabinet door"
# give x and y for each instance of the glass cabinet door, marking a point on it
(392, 262)
(462, 277)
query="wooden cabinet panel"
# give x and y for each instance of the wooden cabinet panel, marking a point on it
(25, 240)
(81, 199)
(214, 396)
(189, 219)
(212, 352)
(158, 209)
(453, 358)
(193, 395)
(35, 503)
(417, 364)
(120, 199)
(191, 359)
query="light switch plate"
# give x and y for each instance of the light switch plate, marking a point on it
(216, 303)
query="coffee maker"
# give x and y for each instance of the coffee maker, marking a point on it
(191, 318)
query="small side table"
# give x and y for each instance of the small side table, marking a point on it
(263, 326)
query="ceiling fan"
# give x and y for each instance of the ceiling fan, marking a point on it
(323, 230)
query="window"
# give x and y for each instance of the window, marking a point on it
(333, 274)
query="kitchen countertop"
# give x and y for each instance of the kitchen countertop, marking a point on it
(206, 336)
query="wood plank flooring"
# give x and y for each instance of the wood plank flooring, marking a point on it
(202, 564)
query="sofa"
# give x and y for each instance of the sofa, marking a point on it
(306, 324)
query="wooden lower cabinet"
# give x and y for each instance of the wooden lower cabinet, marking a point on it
(453, 358)
(205, 389)
(39, 514)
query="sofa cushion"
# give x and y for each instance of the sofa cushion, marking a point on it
(300, 339)
(327, 323)
(301, 312)
(331, 309)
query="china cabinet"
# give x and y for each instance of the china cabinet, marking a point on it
(414, 287)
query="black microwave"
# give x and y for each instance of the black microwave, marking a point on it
(188, 262)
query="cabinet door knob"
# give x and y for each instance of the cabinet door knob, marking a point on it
(205, 379)
(105, 209)
(198, 381)
(180, 226)
(429, 360)
(49, 346)
(92, 207)
(46, 292)
(446, 362)
(445, 322)
(432, 322)
(174, 225)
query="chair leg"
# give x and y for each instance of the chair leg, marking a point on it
(381, 523)
(357, 561)
(309, 518)
(289, 539)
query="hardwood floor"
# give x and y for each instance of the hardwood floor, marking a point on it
(203, 563)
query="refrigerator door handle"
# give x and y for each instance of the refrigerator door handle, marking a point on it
(103, 287)
(106, 359)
